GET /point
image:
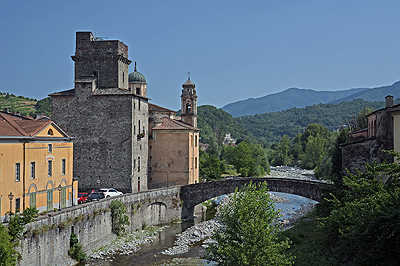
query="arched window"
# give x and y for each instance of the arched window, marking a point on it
(50, 132)
(188, 108)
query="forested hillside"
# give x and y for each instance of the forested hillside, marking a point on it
(215, 123)
(25, 106)
(271, 127)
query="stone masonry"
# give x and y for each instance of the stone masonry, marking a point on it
(104, 117)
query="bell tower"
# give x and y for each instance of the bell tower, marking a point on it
(189, 103)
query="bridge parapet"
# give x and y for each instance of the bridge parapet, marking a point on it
(194, 194)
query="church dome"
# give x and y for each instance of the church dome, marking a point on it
(136, 77)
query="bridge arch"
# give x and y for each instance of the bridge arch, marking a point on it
(194, 194)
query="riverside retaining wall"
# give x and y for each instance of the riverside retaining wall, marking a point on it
(46, 241)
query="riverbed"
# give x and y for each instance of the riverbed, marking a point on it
(151, 252)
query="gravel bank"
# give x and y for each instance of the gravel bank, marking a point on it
(128, 244)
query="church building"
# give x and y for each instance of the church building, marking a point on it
(107, 112)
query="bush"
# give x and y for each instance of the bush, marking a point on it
(8, 254)
(249, 231)
(119, 217)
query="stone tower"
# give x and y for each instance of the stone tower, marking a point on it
(106, 61)
(107, 118)
(189, 103)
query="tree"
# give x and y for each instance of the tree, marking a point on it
(211, 166)
(363, 221)
(249, 159)
(361, 120)
(8, 254)
(248, 234)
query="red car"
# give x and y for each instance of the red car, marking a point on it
(82, 197)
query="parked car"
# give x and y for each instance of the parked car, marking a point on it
(110, 192)
(91, 191)
(95, 196)
(82, 197)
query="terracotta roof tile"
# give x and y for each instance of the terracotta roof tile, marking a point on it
(172, 124)
(12, 125)
(153, 107)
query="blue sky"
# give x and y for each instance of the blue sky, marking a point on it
(234, 50)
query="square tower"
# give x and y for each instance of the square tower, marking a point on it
(105, 60)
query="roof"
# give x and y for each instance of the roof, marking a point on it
(99, 92)
(13, 125)
(136, 77)
(172, 124)
(156, 108)
(18, 126)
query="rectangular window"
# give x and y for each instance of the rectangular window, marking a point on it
(63, 166)
(17, 172)
(50, 148)
(33, 174)
(195, 141)
(138, 164)
(17, 204)
(32, 200)
(49, 168)
(195, 162)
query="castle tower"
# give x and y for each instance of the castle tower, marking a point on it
(105, 60)
(189, 103)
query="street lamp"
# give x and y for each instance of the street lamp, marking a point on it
(11, 197)
(59, 197)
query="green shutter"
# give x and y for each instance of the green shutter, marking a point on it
(63, 197)
(50, 200)
(32, 200)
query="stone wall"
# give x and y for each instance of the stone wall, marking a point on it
(107, 150)
(369, 150)
(47, 239)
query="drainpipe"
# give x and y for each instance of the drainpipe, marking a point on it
(23, 178)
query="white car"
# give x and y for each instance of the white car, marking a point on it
(110, 192)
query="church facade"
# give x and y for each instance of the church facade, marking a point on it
(107, 112)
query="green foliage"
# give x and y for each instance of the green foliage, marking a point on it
(249, 231)
(18, 221)
(215, 123)
(73, 240)
(361, 120)
(25, 106)
(44, 106)
(8, 254)
(119, 217)
(273, 126)
(362, 224)
(211, 166)
(307, 244)
(76, 252)
(249, 159)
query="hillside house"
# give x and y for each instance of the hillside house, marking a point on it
(366, 145)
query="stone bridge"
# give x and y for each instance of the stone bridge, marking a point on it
(194, 194)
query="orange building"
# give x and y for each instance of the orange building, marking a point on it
(174, 143)
(35, 165)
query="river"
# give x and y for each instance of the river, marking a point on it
(150, 254)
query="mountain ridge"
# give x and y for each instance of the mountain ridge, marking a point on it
(300, 98)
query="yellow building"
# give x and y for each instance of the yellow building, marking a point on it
(36, 158)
